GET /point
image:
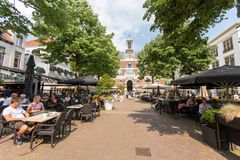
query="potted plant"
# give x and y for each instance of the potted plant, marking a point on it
(209, 126)
(108, 103)
(105, 84)
(229, 115)
(121, 88)
(229, 119)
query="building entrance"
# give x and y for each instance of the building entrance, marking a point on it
(129, 85)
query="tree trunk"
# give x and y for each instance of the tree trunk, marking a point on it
(173, 76)
(153, 83)
(152, 79)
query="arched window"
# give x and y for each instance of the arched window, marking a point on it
(129, 65)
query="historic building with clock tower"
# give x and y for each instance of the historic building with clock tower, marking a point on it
(128, 72)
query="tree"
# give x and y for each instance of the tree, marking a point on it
(12, 19)
(171, 15)
(161, 58)
(157, 60)
(106, 82)
(79, 39)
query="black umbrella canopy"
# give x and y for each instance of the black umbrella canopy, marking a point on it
(85, 81)
(225, 76)
(29, 76)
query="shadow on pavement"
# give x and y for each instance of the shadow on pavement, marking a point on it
(168, 125)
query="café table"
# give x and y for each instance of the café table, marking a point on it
(41, 118)
(77, 108)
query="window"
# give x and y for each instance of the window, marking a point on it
(17, 59)
(129, 72)
(19, 41)
(216, 51)
(215, 64)
(230, 60)
(227, 45)
(2, 52)
(129, 65)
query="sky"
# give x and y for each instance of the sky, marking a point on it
(124, 18)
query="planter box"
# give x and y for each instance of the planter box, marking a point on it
(232, 129)
(210, 136)
(235, 123)
(108, 105)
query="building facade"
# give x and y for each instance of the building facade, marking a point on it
(51, 73)
(11, 54)
(128, 72)
(227, 47)
(58, 71)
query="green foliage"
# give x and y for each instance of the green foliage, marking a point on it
(105, 83)
(1, 82)
(12, 19)
(95, 96)
(170, 15)
(156, 60)
(75, 37)
(208, 118)
(162, 57)
(121, 87)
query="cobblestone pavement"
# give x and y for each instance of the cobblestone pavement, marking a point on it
(116, 134)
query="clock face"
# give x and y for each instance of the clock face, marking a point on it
(129, 44)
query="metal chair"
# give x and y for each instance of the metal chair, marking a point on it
(86, 112)
(67, 121)
(48, 130)
(7, 125)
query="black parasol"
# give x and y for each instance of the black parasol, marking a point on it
(84, 81)
(29, 77)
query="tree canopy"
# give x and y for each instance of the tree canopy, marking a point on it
(161, 59)
(170, 15)
(70, 31)
(12, 19)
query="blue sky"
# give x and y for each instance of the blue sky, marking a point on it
(124, 18)
(231, 18)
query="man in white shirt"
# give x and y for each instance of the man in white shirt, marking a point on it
(14, 113)
(204, 106)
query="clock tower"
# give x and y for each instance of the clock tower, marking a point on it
(129, 50)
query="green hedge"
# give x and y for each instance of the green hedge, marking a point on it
(209, 118)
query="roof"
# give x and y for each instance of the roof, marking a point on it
(7, 37)
(228, 29)
(32, 43)
(124, 55)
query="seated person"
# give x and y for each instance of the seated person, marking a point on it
(16, 113)
(36, 106)
(7, 101)
(94, 103)
(57, 104)
(215, 104)
(204, 106)
(23, 99)
(191, 101)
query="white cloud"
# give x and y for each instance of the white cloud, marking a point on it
(122, 17)
(26, 11)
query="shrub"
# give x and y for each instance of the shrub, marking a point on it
(209, 118)
(229, 111)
